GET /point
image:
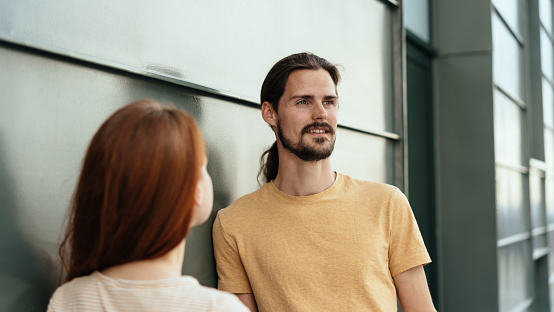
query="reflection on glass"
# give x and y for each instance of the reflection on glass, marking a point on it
(549, 150)
(507, 59)
(549, 197)
(507, 130)
(548, 103)
(510, 203)
(545, 13)
(546, 55)
(514, 267)
(416, 18)
(510, 12)
(536, 193)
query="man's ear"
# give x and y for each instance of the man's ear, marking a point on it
(268, 114)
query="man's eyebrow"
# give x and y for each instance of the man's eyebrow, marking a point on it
(308, 96)
(302, 96)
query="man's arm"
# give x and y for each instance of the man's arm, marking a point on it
(249, 301)
(412, 290)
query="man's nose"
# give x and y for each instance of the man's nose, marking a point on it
(319, 111)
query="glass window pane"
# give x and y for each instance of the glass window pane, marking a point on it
(536, 189)
(549, 198)
(507, 59)
(549, 183)
(416, 18)
(547, 103)
(545, 11)
(539, 242)
(514, 267)
(546, 55)
(510, 12)
(510, 203)
(549, 150)
(551, 247)
(507, 130)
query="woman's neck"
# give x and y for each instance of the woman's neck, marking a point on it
(166, 266)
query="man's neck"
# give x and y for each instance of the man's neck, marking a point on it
(301, 178)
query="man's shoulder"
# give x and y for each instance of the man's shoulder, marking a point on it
(368, 186)
(243, 204)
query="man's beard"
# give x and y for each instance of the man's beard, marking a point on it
(307, 152)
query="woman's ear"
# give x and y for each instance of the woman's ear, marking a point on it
(268, 114)
(198, 195)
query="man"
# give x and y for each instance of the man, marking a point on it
(311, 239)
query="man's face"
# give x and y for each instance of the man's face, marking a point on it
(307, 118)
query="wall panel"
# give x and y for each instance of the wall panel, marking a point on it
(224, 48)
(84, 60)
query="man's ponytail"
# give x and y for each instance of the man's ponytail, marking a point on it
(269, 164)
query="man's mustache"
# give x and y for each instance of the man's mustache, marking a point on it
(319, 125)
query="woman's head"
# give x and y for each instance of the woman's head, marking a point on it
(143, 184)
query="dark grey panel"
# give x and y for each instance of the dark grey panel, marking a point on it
(226, 48)
(462, 26)
(466, 182)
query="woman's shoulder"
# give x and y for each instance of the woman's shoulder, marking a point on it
(213, 299)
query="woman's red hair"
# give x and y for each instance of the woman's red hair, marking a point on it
(135, 195)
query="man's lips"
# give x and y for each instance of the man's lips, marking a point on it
(318, 128)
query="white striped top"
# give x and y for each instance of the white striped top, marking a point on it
(98, 292)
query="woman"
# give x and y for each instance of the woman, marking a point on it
(143, 185)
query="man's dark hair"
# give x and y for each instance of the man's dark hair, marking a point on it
(273, 88)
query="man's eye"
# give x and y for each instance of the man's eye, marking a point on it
(329, 102)
(302, 102)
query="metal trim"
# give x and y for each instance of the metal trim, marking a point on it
(513, 98)
(543, 76)
(383, 134)
(546, 30)
(524, 306)
(539, 231)
(393, 3)
(540, 252)
(510, 240)
(520, 169)
(152, 73)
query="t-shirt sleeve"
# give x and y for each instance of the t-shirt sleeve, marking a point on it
(407, 249)
(55, 301)
(232, 304)
(230, 270)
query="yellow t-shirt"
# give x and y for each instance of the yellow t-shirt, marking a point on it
(333, 251)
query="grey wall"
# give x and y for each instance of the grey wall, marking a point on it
(67, 65)
(465, 163)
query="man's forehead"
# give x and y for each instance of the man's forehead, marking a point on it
(302, 80)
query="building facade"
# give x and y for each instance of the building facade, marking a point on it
(452, 101)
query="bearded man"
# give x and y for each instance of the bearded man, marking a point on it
(312, 239)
